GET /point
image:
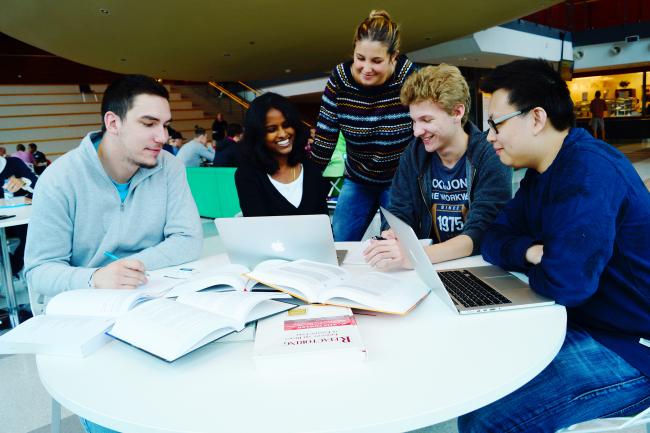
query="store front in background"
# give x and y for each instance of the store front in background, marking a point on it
(627, 95)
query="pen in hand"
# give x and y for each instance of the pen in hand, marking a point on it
(111, 255)
(114, 257)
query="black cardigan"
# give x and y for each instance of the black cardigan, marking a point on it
(258, 196)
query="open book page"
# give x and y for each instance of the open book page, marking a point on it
(253, 285)
(241, 307)
(378, 291)
(157, 285)
(95, 302)
(169, 329)
(229, 277)
(302, 278)
(57, 335)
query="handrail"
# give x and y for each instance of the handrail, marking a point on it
(257, 92)
(239, 100)
(229, 94)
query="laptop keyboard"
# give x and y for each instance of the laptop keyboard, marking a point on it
(469, 290)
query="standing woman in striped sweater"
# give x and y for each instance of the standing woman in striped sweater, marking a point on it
(362, 101)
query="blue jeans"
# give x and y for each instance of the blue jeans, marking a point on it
(355, 208)
(585, 381)
(91, 427)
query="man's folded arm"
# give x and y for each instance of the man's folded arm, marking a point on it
(582, 238)
(506, 240)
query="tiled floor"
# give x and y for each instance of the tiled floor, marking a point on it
(25, 405)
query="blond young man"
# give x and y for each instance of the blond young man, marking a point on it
(450, 184)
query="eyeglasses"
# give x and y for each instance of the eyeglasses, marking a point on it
(499, 120)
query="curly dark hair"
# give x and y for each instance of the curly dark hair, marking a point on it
(254, 144)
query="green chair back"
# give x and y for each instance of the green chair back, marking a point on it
(214, 191)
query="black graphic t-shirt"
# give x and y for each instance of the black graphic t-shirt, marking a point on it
(449, 201)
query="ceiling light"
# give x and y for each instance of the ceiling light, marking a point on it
(122, 60)
(287, 71)
(578, 54)
(226, 54)
(615, 50)
(104, 11)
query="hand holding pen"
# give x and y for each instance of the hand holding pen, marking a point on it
(119, 274)
(385, 252)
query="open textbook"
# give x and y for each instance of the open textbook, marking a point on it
(170, 329)
(316, 282)
(75, 321)
(201, 275)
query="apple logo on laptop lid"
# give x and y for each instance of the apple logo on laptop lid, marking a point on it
(278, 247)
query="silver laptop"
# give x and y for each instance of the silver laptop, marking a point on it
(470, 290)
(251, 240)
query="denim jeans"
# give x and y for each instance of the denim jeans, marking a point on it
(585, 381)
(355, 208)
(91, 427)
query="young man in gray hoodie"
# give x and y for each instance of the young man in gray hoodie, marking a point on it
(450, 184)
(116, 195)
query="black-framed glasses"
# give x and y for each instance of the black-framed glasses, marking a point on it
(493, 123)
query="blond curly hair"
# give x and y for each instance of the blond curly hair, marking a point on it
(442, 84)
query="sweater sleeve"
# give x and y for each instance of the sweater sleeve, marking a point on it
(20, 170)
(317, 186)
(579, 231)
(207, 153)
(183, 232)
(327, 127)
(492, 189)
(249, 190)
(505, 242)
(49, 241)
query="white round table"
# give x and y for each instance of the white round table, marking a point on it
(423, 368)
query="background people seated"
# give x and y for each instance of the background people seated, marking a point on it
(275, 178)
(19, 180)
(40, 159)
(193, 152)
(25, 156)
(228, 153)
(579, 227)
(450, 184)
(376, 126)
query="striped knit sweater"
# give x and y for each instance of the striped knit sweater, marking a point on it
(375, 124)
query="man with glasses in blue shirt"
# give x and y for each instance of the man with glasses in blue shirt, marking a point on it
(579, 227)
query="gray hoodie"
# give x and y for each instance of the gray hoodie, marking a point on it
(78, 215)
